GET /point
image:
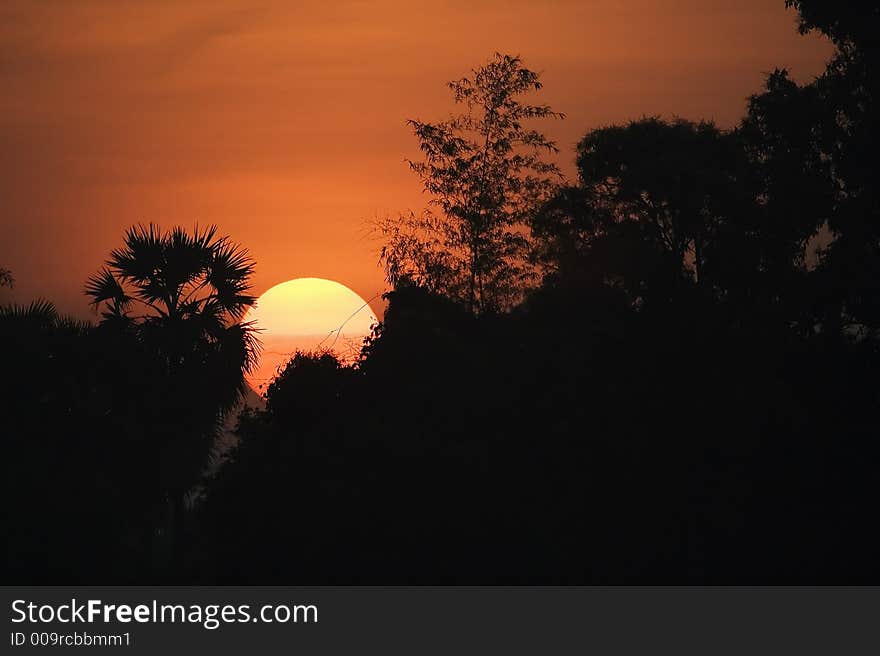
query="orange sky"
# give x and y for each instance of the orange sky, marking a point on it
(283, 122)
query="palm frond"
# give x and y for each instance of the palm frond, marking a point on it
(229, 273)
(73, 325)
(105, 287)
(40, 311)
(143, 255)
(208, 317)
(186, 258)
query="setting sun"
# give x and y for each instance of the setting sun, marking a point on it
(307, 314)
(393, 293)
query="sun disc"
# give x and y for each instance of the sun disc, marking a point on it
(307, 314)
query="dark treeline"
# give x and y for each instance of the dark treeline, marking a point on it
(662, 372)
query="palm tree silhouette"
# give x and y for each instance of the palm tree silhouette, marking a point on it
(186, 295)
(183, 297)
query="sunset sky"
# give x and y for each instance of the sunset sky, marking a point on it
(283, 122)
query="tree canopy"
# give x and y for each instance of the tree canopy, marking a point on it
(486, 172)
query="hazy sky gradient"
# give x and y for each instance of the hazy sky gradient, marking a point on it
(283, 122)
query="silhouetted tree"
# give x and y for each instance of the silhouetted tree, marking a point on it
(486, 173)
(183, 297)
(77, 445)
(845, 131)
(40, 316)
(847, 23)
(658, 204)
(792, 182)
(811, 152)
(6, 279)
(783, 139)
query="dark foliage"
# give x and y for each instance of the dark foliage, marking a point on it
(81, 464)
(111, 426)
(690, 395)
(485, 171)
(576, 440)
(181, 297)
